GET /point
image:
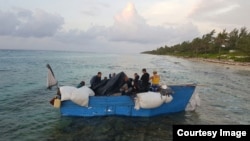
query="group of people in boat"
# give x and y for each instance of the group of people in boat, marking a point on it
(128, 86)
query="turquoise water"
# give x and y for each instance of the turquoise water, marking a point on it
(25, 112)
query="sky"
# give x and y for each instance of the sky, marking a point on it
(114, 26)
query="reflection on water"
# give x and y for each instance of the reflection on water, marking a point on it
(118, 128)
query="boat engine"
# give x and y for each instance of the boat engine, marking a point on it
(165, 90)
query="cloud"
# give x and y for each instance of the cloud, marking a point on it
(223, 13)
(170, 12)
(8, 22)
(129, 26)
(129, 32)
(25, 23)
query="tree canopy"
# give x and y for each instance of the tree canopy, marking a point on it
(234, 45)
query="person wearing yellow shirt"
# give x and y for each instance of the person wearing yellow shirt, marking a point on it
(155, 81)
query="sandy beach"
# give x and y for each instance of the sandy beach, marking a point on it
(224, 63)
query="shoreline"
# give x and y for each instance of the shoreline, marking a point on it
(223, 63)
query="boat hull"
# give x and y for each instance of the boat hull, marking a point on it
(125, 105)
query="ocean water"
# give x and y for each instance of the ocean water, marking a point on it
(25, 112)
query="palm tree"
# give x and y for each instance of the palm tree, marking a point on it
(221, 40)
(196, 45)
(233, 39)
(207, 39)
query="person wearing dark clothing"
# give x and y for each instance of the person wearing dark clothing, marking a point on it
(95, 79)
(136, 83)
(82, 83)
(110, 86)
(112, 75)
(127, 87)
(144, 81)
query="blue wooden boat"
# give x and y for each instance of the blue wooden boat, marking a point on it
(108, 105)
(124, 105)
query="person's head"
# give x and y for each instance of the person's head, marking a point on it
(144, 70)
(99, 74)
(82, 83)
(135, 74)
(154, 72)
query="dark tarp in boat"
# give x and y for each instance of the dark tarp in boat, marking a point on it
(110, 86)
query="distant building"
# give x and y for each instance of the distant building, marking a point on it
(232, 51)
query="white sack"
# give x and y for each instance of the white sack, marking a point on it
(80, 96)
(66, 92)
(88, 90)
(149, 100)
(137, 103)
(169, 98)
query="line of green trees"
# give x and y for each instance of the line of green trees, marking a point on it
(234, 45)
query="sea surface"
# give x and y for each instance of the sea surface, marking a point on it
(26, 114)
